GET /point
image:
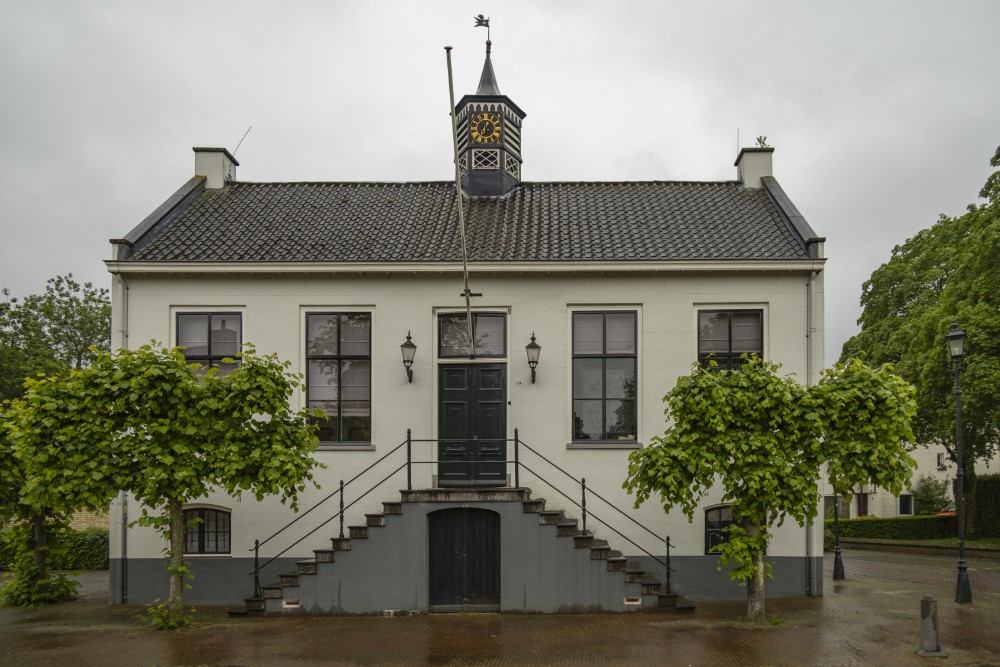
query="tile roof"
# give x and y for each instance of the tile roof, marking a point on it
(415, 222)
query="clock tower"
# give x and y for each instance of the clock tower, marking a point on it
(489, 138)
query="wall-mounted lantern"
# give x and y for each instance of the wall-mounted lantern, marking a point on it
(534, 350)
(409, 350)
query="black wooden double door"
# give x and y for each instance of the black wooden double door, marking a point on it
(472, 448)
(464, 559)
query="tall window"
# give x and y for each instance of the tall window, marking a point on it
(208, 338)
(489, 330)
(725, 335)
(906, 504)
(717, 519)
(604, 362)
(206, 531)
(339, 374)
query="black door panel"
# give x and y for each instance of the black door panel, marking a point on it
(473, 429)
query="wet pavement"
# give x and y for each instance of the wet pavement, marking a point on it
(871, 618)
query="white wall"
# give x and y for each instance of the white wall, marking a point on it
(273, 308)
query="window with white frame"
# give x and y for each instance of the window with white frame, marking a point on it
(338, 375)
(717, 520)
(489, 331)
(906, 504)
(206, 531)
(211, 338)
(605, 352)
(725, 335)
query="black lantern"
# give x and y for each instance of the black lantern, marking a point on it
(956, 343)
(956, 348)
(409, 350)
(534, 350)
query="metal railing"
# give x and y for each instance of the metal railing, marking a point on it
(408, 464)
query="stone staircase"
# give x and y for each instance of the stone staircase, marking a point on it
(381, 567)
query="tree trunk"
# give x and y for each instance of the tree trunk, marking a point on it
(175, 600)
(41, 548)
(755, 586)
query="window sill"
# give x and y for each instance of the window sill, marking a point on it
(334, 447)
(626, 444)
(208, 555)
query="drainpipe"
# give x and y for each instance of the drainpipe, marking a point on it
(809, 370)
(122, 496)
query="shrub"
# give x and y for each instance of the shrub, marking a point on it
(985, 514)
(77, 550)
(931, 495)
(899, 528)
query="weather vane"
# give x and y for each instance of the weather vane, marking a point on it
(483, 22)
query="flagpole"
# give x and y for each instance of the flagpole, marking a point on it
(461, 204)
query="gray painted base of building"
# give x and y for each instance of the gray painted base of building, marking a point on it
(216, 580)
(540, 571)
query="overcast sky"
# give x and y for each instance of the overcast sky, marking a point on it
(883, 115)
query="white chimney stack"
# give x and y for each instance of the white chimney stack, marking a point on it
(217, 165)
(751, 165)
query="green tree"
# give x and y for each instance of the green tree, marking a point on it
(947, 273)
(147, 422)
(46, 473)
(763, 438)
(52, 332)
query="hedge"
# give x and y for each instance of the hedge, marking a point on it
(986, 513)
(899, 528)
(87, 550)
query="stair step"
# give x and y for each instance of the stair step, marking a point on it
(272, 592)
(324, 555)
(358, 532)
(549, 517)
(289, 578)
(567, 528)
(253, 605)
(375, 520)
(652, 588)
(583, 540)
(632, 577)
(392, 508)
(306, 566)
(616, 563)
(599, 550)
(341, 543)
(533, 506)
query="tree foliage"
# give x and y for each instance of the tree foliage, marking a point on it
(147, 422)
(52, 332)
(761, 438)
(947, 273)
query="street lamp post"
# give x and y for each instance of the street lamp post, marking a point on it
(956, 348)
(838, 562)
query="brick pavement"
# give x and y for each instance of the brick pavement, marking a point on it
(865, 620)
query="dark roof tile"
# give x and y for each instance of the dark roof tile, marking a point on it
(415, 222)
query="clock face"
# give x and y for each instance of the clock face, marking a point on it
(485, 127)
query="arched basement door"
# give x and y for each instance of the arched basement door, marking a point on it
(464, 559)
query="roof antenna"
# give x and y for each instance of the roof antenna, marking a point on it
(241, 140)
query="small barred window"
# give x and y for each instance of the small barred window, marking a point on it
(485, 159)
(513, 168)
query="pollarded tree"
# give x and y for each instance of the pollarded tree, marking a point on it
(763, 438)
(147, 422)
(947, 273)
(45, 475)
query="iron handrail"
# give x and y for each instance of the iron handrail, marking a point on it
(408, 464)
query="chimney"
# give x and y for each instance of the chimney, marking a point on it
(217, 165)
(751, 165)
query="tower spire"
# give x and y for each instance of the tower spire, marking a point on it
(488, 80)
